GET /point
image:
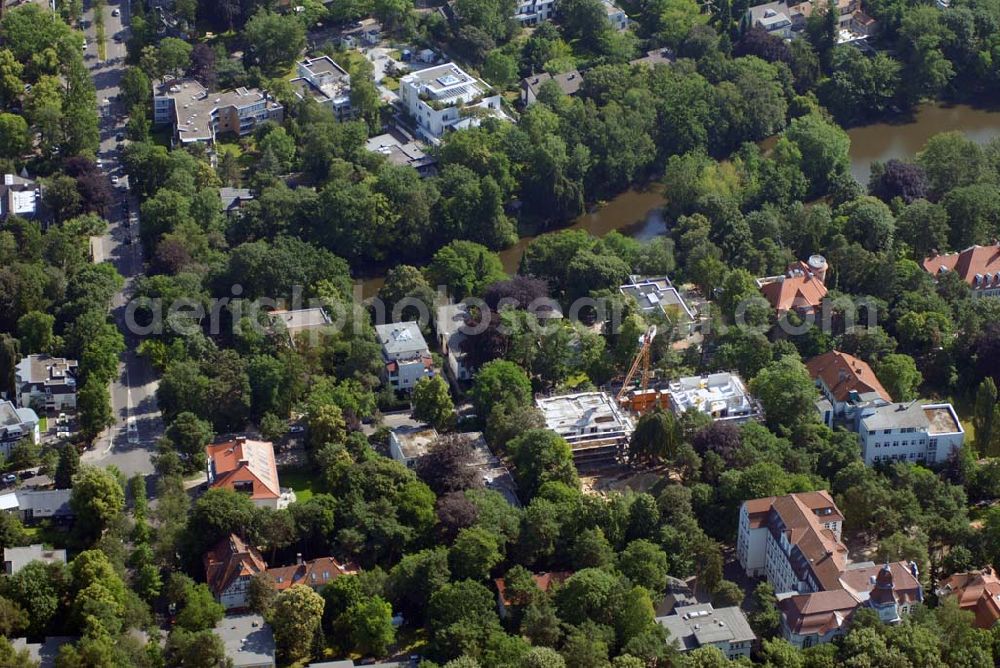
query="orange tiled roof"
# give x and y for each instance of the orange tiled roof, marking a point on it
(230, 559)
(977, 592)
(975, 260)
(905, 587)
(794, 293)
(843, 374)
(314, 573)
(245, 461)
(545, 582)
(823, 554)
(818, 613)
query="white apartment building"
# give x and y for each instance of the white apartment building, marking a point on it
(591, 422)
(724, 396)
(49, 381)
(616, 15)
(444, 98)
(533, 12)
(15, 424)
(793, 541)
(450, 323)
(405, 353)
(912, 432)
(198, 115)
(327, 83)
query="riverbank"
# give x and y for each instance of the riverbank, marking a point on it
(638, 212)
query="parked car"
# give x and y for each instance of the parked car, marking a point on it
(115, 12)
(8, 479)
(25, 475)
(114, 179)
(62, 419)
(296, 429)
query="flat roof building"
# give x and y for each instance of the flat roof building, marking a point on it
(912, 431)
(16, 558)
(198, 115)
(591, 422)
(444, 98)
(723, 396)
(248, 639)
(402, 152)
(16, 424)
(405, 354)
(326, 82)
(50, 381)
(702, 625)
(657, 295)
(302, 320)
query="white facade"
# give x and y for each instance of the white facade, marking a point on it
(450, 320)
(329, 83)
(616, 15)
(532, 12)
(444, 98)
(50, 381)
(405, 353)
(910, 432)
(724, 396)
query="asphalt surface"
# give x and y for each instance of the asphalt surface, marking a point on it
(130, 442)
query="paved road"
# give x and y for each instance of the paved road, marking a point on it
(130, 442)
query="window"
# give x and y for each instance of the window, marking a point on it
(887, 431)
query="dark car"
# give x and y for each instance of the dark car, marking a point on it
(24, 475)
(120, 137)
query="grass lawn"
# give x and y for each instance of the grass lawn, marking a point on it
(300, 480)
(45, 535)
(965, 407)
(43, 424)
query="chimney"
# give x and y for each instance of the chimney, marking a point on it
(298, 559)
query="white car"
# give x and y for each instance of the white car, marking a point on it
(115, 12)
(114, 179)
(62, 419)
(84, 45)
(132, 431)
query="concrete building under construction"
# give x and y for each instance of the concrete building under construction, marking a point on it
(592, 423)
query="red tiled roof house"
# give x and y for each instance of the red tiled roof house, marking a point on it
(229, 566)
(847, 383)
(978, 266)
(247, 467)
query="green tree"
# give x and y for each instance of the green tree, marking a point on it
(824, 148)
(474, 554)
(464, 268)
(173, 57)
(899, 375)
(541, 456)
(326, 425)
(499, 69)
(986, 418)
(369, 626)
(201, 648)
(15, 140)
(97, 500)
(68, 467)
(657, 437)
(365, 97)
(499, 382)
(432, 402)
(274, 41)
(296, 618)
(94, 407)
(34, 329)
(786, 391)
(188, 435)
(645, 564)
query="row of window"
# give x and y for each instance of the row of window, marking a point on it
(896, 444)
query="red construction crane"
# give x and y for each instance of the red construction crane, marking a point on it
(641, 361)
